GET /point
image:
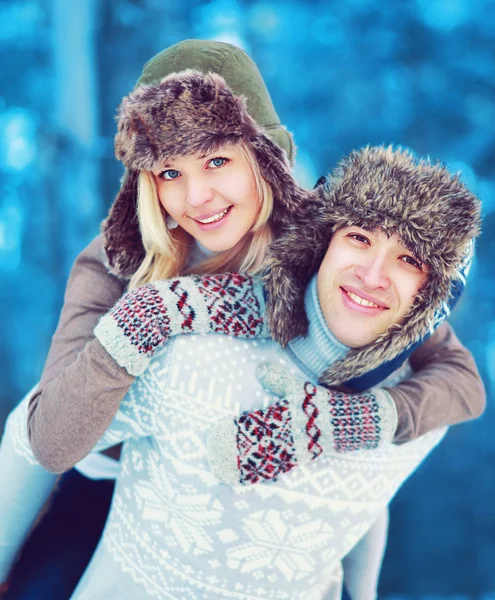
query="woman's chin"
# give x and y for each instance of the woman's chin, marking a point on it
(219, 242)
(216, 246)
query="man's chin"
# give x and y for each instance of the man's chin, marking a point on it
(355, 342)
(354, 333)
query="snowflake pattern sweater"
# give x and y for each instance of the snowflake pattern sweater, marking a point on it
(174, 532)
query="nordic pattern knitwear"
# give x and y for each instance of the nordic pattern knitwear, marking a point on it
(261, 445)
(265, 444)
(143, 319)
(175, 532)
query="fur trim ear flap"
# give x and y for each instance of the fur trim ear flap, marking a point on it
(290, 201)
(120, 230)
(292, 261)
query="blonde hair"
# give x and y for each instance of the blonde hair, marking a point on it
(167, 249)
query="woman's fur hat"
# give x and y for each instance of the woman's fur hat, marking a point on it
(187, 113)
(431, 211)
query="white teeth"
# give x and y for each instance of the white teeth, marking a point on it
(214, 218)
(362, 301)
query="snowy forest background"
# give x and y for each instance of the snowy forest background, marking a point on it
(342, 74)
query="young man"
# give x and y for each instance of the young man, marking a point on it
(379, 204)
(388, 273)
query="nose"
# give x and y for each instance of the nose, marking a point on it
(373, 272)
(198, 192)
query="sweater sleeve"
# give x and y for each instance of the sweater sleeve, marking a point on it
(81, 386)
(25, 487)
(140, 413)
(445, 389)
(362, 565)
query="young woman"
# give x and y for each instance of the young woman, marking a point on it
(62, 431)
(64, 543)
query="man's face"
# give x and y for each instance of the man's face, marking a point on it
(367, 282)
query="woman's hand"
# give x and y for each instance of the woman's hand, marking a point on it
(142, 320)
(308, 421)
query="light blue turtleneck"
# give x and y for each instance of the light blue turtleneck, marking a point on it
(318, 349)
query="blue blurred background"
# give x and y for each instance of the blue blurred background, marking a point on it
(342, 74)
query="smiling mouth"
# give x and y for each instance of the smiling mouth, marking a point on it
(364, 302)
(213, 218)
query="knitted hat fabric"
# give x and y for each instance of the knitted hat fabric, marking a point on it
(172, 114)
(431, 211)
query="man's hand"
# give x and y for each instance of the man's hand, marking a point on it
(308, 420)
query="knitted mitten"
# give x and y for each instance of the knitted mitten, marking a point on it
(308, 420)
(143, 319)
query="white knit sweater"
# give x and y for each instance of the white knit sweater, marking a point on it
(174, 532)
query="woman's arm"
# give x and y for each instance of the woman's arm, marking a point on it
(445, 389)
(25, 484)
(81, 386)
(363, 563)
(25, 487)
(75, 407)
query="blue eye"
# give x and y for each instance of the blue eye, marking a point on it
(169, 174)
(214, 163)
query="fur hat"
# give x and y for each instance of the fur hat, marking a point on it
(431, 211)
(239, 71)
(193, 112)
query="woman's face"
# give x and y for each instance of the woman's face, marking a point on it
(214, 198)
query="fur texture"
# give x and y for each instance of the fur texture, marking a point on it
(432, 212)
(187, 113)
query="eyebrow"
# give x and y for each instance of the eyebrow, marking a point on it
(168, 165)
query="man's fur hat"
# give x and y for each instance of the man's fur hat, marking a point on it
(432, 212)
(187, 113)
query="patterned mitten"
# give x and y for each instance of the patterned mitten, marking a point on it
(309, 419)
(143, 319)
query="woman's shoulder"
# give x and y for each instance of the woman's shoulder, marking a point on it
(90, 270)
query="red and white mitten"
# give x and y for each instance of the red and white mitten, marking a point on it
(142, 320)
(308, 421)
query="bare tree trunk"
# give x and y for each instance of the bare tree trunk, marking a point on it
(76, 124)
